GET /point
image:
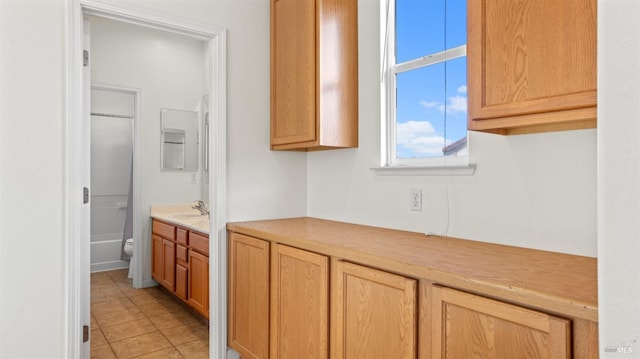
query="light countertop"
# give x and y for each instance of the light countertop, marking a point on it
(182, 215)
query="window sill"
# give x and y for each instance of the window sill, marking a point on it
(459, 170)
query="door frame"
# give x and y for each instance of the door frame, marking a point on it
(78, 175)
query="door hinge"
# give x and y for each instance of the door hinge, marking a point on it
(85, 333)
(85, 195)
(85, 57)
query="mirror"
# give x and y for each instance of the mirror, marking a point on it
(179, 140)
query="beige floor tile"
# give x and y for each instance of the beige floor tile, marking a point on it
(93, 324)
(194, 350)
(128, 330)
(118, 273)
(100, 277)
(103, 352)
(171, 353)
(97, 338)
(119, 317)
(114, 305)
(174, 319)
(142, 298)
(184, 334)
(142, 344)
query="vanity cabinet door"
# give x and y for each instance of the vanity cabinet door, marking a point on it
(169, 264)
(469, 326)
(157, 265)
(198, 286)
(248, 285)
(182, 272)
(374, 313)
(164, 262)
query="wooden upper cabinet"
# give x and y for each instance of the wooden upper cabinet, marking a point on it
(374, 313)
(469, 326)
(314, 74)
(531, 65)
(248, 289)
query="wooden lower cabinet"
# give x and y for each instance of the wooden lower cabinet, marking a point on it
(178, 267)
(248, 289)
(374, 313)
(164, 262)
(198, 286)
(299, 304)
(469, 326)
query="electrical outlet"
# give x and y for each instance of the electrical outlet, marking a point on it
(415, 199)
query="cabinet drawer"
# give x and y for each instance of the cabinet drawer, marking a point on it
(199, 242)
(181, 255)
(165, 230)
(182, 236)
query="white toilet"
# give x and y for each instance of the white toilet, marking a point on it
(128, 249)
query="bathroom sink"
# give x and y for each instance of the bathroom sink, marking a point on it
(185, 215)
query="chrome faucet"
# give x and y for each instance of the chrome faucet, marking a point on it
(201, 206)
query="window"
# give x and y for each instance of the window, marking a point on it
(424, 82)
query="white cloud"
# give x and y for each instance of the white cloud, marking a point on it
(418, 139)
(430, 104)
(457, 104)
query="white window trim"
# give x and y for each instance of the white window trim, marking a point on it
(389, 164)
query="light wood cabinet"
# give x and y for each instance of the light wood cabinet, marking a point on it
(180, 263)
(164, 262)
(299, 304)
(397, 294)
(314, 74)
(469, 326)
(374, 313)
(531, 65)
(248, 289)
(199, 282)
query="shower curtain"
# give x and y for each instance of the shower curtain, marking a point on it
(128, 221)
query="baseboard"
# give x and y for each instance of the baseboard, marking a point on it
(105, 266)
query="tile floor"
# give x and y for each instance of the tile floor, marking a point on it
(142, 323)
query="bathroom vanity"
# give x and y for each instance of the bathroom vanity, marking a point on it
(180, 254)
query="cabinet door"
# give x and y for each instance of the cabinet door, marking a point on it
(468, 326)
(248, 296)
(293, 71)
(533, 70)
(299, 304)
(169, 264)
(374, 313)
(199, 282)
(158, 258)
(181, 282)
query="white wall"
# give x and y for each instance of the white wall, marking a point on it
(619, 177)
(261, 183)
(32, 183)
(536, 191)
(33, 238)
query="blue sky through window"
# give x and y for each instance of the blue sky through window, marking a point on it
(432, 97)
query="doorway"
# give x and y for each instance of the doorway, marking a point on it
(79, 165)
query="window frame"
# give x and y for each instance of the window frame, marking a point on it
(389, 70)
